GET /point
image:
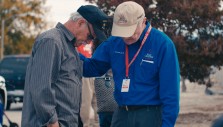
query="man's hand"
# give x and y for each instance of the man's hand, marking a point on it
(56, 124)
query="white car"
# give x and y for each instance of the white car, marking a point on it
(3, 93)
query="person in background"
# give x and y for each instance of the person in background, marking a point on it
(90, 85)
(145, 69)
(104, 88)
(88, 92)
(54, 73)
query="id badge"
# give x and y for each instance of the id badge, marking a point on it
(125, 85)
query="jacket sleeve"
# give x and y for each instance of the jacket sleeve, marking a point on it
(45, 69)
(169, 78)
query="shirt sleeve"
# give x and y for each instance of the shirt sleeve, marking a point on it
(99, 64)
(169, 83)
(45, 68)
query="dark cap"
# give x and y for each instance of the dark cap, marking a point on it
(96, 17)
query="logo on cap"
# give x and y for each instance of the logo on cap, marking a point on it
(122, 20)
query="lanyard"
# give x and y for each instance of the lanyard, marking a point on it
(127, 64)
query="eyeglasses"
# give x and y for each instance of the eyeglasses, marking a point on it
(90, 37)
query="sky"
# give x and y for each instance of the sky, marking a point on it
(60, 10)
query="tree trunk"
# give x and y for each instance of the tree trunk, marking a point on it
(184, 88)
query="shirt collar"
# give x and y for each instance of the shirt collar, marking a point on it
(144, 32)
(66, 32)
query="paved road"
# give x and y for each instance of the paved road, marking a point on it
(14, 114)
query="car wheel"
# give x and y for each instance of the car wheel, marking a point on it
(8, 105)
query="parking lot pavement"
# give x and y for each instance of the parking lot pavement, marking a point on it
(14, 114)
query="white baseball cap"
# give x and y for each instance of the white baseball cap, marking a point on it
(126, 18)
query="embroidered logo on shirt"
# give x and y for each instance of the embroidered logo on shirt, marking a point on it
(117, 52)
(148, 58)
(148, 61)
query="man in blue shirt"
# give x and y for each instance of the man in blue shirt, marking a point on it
(145, 69)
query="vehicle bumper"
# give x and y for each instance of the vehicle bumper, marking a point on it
(15, 95)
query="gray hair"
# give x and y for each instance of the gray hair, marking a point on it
(75, 16)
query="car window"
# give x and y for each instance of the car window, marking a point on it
(14, 65)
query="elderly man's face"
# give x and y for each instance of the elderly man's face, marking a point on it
(136, 35)
(85, 34)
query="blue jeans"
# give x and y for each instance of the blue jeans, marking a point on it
(105, 119)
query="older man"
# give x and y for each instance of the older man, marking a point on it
(145, 68)
(53, 78)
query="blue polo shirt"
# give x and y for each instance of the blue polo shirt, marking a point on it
(154, 75)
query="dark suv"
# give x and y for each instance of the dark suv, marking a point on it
(13, 69)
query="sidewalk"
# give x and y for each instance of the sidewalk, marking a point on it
(198, 109)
